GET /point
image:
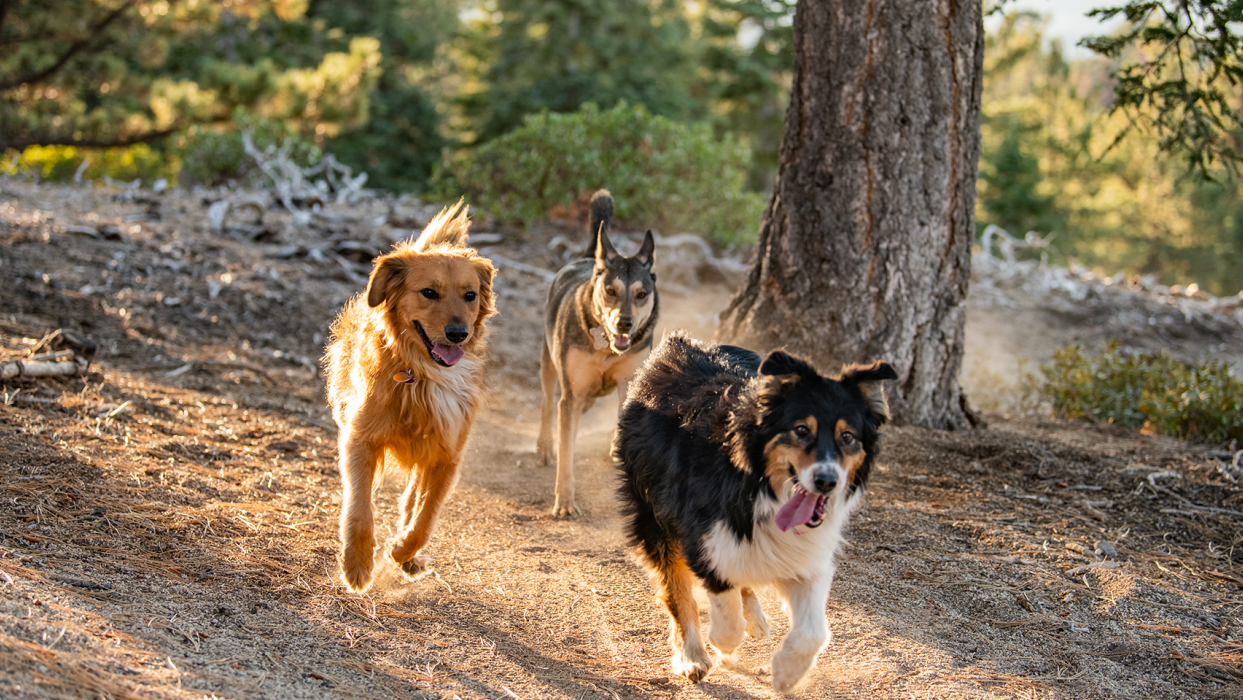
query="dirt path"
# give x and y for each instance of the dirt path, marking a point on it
(167, 523)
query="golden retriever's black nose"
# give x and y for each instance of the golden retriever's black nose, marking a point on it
(456, 334)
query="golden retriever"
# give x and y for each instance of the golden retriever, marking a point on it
(405, 376)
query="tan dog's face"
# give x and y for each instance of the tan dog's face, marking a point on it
(442, 299)
(623, 291)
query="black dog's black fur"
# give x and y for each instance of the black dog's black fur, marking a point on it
(691, 446)
(691, 439)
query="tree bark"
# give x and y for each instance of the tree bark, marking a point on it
(864, 248)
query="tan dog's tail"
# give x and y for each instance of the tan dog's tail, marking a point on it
(451, 227)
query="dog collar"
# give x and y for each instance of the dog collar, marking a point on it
(405, 377)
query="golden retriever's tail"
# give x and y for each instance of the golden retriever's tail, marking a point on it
(451, 227)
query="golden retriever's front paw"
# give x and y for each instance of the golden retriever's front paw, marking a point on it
(564, 508)
(356, 566)
(694, 665)
(417, 567)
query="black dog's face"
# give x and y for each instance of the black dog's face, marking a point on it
(818, 434)
(623, 290)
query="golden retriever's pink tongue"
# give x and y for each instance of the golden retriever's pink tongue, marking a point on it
(797, 511)
(448, 354)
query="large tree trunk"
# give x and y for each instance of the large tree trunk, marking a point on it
(864, 250)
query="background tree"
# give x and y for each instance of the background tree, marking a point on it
(525, 56)
(1182, 76)
(864, 248)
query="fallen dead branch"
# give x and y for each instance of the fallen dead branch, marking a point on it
(63, 363)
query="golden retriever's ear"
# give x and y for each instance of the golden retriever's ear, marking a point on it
(388, 273)
(487, 302)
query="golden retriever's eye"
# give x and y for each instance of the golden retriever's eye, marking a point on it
(610, 291)
(469, 296)
(847, 438)
(430, 294)
(802, 431)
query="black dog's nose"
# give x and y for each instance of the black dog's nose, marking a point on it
(624, 324)
(825, 482)
(456, 334)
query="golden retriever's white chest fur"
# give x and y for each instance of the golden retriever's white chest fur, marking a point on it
(448, 395)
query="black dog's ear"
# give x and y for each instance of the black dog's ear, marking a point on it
(868, 378)
(780, 362)
(604, 248)
(645, 251)
(387, 273)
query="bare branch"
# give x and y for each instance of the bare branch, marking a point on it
(73, 50)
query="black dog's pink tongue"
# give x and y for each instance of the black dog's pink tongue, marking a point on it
(621, 342)
(448, 354)
(797, 511)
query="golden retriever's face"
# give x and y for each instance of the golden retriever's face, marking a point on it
(441, 299)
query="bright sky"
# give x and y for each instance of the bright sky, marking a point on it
(1068, 21)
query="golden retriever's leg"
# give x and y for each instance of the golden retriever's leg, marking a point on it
(431, 485)
(358, 467)
(757, 621)
(690, 658)
(548, 380)
(568, 410)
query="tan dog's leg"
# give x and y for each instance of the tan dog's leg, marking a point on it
(358, 467)
(421, 506)
(568, 410)
(548, 380)
(690, 658)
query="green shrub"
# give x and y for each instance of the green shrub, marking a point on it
(1157, 392)
(61, 163)
(214, 155)
(663, 174)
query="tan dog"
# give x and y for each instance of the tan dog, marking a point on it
(405, 375)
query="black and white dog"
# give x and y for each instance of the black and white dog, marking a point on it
(742, 473)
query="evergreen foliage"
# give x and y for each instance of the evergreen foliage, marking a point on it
(522, 57)
(663, 174)
(1184, 76)
(1051, 162)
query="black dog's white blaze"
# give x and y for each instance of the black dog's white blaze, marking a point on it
(707, 445)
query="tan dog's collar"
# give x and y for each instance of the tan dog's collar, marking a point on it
(405, 376)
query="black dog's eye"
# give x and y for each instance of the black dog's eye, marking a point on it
(802, 431)
(430, 293)
(847, 438)
(469, 296)
(641, 295)
(610, 291)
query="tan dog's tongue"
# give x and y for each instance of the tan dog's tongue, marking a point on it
(448, 354)
(621, 342)
(797, 511)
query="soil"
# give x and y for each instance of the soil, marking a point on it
(168, 519)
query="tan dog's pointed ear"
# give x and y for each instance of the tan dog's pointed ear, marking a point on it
(604, 248)
(645, 251)
(388, 273)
